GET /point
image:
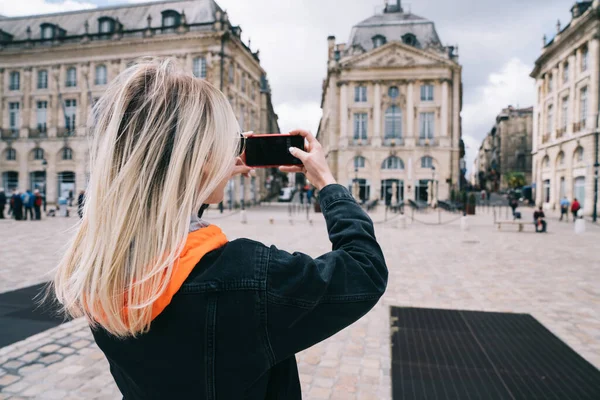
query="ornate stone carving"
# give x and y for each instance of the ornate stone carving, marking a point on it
(395, 57)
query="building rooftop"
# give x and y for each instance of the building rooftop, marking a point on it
(394, 24)
(131, 16)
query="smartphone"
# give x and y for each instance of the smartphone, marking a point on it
(272, 150)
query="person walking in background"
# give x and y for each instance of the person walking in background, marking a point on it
(309, 195)
(564, 208)
(2, 203)
(28, 204)
(70, 198)
(514, 203)
(539, 219)
(575, 208)
(80, 203)
(16, 205)
(37, 204)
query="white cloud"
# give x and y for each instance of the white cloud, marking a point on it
(299, 116)
(511, 85)
(12, 8)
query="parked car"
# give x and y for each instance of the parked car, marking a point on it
(286, 194)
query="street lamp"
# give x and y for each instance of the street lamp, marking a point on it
(44, 165)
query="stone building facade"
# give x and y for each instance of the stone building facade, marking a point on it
(506, 149)
(54, 67)
(565, 124)
(391, 109)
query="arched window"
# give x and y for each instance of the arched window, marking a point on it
(546, 162)
(11, 154)
(72, 77)
(170, 20)
(578, 154)
(67, 153)
(560, 160)
(378, 40)
(101, 75)
(359, 162)
(38, 153)
(426, 162)
(199, 67)
(393, 92)
(393, 123)
(392, 162)
(106, 25)
(409, 39)
(47, 31)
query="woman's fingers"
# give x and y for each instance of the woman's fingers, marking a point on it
(290, 169)
(306, 135)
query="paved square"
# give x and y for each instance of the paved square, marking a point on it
(553, 277)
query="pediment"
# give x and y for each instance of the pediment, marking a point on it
(394, 55)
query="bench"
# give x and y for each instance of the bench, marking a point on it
(518, 222)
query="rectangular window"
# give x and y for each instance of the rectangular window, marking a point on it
(71, 77)
(70, 114)
(426, 128)
(15, 80)
(14, 116)
(550, 120)
(360, 126)
(42, 109)
(199, 67)
(243, 85)
(566, 72)
(583, 106)
(427, 93)
(564, 114)
(231, 75)
(42, 79)
(360, 94)
(584, 59)
(550, 83)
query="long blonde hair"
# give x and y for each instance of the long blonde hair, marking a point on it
(162, 143)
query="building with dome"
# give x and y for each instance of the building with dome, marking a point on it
(54, 67)
(391, 109)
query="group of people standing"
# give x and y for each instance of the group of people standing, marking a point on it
(22, 204)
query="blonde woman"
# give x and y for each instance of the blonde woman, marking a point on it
(179, 311)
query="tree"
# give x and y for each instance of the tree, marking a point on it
(515, 179)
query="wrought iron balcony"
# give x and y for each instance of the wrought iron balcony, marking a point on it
(65, 132)
(8, 134)
(39, 133)
(428, 142)
(395, 141)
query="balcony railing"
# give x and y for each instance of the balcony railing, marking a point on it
(360, 142)
(65, 132)
(545, 138)
(39, 133)
(396, 141)
(9, 133)
(427, 142)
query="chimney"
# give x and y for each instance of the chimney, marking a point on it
(330, 46)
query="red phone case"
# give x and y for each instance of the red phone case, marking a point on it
(270, 166)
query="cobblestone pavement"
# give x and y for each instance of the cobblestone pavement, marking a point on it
(551, 276)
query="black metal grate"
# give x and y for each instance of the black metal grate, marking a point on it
(21, 316)
(450, 354)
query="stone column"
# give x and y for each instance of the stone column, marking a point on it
(3, 116)
(592, 92)
(408, 193)
(410, 110)
(571, 116)
(343, 114)
(82, 113)
(377, 115)
(26, 117)
(444, 131)
(557, 81)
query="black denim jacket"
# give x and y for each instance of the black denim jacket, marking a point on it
(232, 330)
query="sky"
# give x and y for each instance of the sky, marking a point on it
(498, 43)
